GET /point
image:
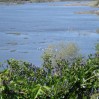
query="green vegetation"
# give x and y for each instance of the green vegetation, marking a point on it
(78, 79)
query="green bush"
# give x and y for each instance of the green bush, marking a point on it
(78, 79)
(97, 47)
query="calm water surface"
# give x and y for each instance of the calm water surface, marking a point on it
(27, 29)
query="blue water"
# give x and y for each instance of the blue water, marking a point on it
(27, 29)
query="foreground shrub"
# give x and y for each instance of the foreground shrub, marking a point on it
(61, 51)
(78, 79)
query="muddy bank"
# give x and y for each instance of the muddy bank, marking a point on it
(73, 3)
(89, 12)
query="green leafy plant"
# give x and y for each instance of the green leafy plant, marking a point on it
(77, 78)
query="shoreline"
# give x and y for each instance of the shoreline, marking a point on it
(44, 1)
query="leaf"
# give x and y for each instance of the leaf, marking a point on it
(40, 90)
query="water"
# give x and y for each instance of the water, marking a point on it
(27, 29)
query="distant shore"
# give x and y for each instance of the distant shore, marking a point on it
(36, 1)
